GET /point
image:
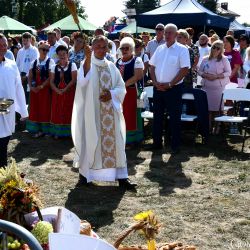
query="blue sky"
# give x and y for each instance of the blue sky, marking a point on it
(100, 10)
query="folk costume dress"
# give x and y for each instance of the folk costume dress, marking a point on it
(132, 114)
(62, 105)
(40, 102)
(98, 128)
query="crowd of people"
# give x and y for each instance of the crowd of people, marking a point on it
(99, 81)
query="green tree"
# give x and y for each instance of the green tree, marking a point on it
(209, 4)
(246, 24)
(38, 13)
(6, 8)
(142, 6)
(62, 10)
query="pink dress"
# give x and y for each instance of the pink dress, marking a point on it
(215, 88)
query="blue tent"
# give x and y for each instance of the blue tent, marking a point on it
(183, 13)
(239, 28)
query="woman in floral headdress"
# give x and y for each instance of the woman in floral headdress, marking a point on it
(40, 93)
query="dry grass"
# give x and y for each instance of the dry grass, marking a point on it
(201, 196)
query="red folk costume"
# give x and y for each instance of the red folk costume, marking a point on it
(130, 100)
(62, 105)
(40, 102)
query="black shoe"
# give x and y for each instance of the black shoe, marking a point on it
(126, 184)
(82, 181)
(153, 147)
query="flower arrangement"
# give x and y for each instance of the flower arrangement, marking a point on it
(150, 227)
(17, 195)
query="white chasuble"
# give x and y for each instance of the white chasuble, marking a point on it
(98, 128)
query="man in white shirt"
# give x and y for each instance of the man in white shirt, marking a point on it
(157, 41)
(59, 37)
(204, 49)
(25, 56)
(53, 45)
(10, 88)
(168, 66)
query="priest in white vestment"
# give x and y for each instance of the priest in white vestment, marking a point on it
(98, 125)
(10, 88)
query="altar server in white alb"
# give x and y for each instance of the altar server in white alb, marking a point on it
(98, 126)
(10, 88)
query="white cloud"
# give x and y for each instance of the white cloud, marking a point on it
(99, 11)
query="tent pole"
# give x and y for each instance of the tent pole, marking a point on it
(136, 29)
(204, 30)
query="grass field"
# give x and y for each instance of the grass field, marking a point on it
(201, 196)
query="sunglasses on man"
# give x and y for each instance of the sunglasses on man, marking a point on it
(159, 29)
(44, 50)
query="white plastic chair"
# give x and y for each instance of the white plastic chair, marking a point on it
(231, 85)
(190, 118)
(77, 241)
(185, 117)
(150, 91)
(235, 95)
(147, 114)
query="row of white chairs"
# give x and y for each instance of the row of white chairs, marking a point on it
(231, 92)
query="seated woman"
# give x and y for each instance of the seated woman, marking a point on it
(215, 71)
(62, 80)
(131, 69)
(40, 93)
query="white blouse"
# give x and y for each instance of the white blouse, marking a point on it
(138, 63)
(73, 68)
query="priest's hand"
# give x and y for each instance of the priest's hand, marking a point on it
(87, 52)
(105, 96)
(87, 60)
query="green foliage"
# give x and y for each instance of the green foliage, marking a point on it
(62, 10)
(39, 13)
(142, 6)
(209, 4)
(6, 8)
(246, 24)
